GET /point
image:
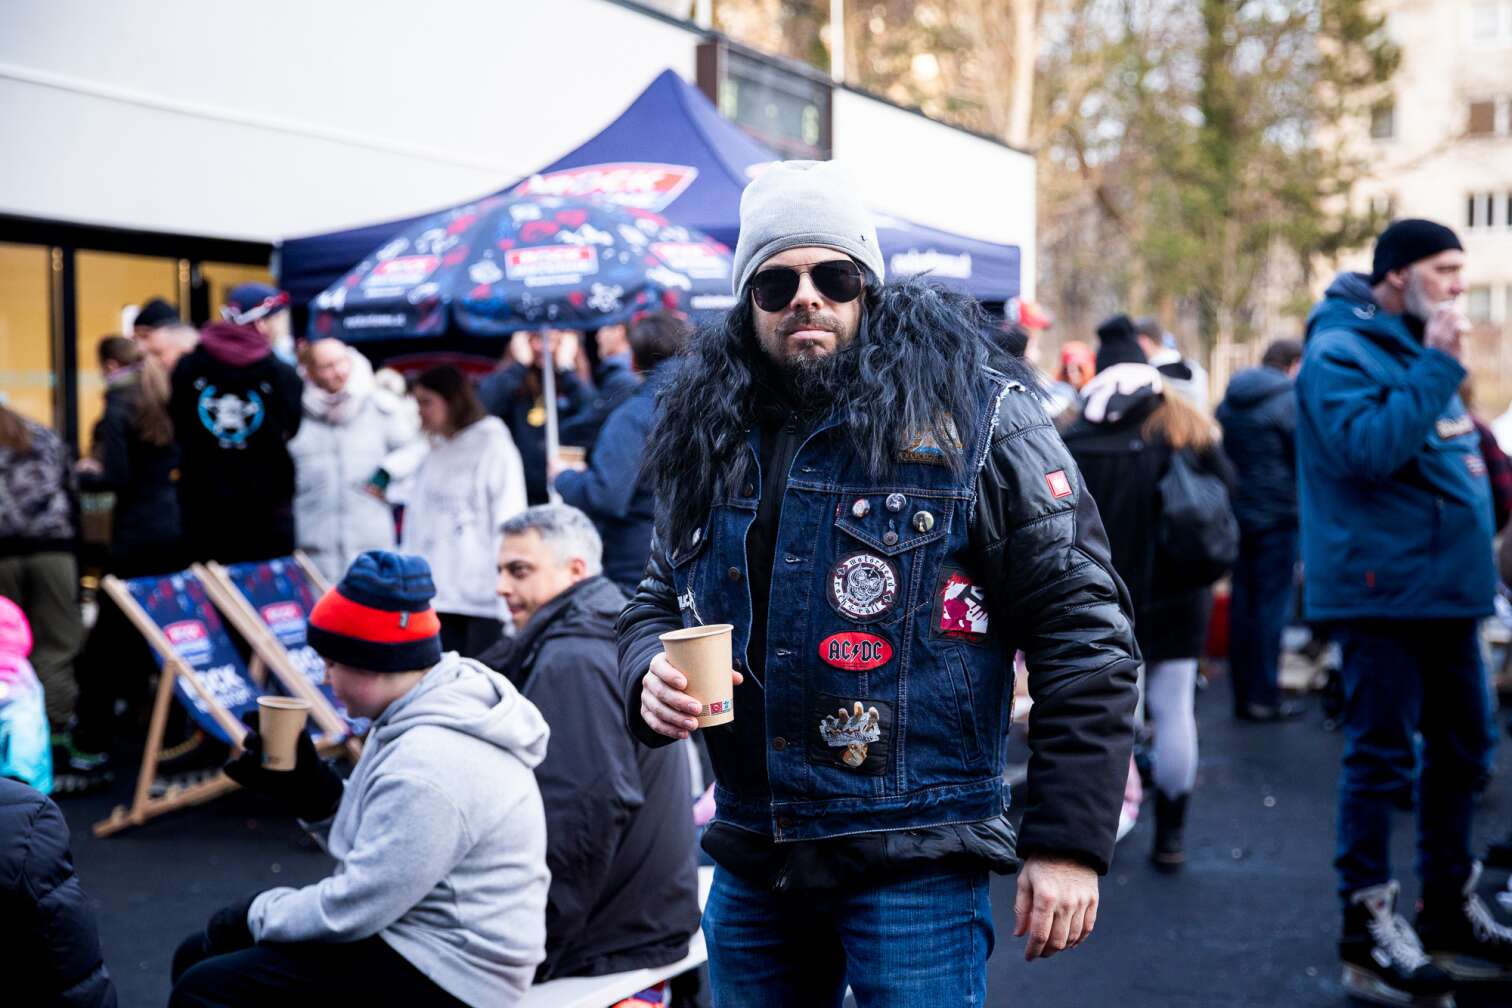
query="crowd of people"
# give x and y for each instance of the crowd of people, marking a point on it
(892, 509)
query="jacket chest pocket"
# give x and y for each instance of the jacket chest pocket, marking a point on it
(878, 553)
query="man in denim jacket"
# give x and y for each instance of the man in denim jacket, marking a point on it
(850, 474)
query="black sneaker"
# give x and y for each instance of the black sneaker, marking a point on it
(76, 772)
(1462, 936)
(1383, 960)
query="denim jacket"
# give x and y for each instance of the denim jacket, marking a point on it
(895, 609)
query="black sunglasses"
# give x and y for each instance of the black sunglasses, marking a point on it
(839, 280)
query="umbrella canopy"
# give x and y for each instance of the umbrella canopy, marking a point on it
(672, 152)
(507, 263)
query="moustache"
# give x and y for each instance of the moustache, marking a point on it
(808, 320)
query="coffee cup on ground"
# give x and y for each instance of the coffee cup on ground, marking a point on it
(279, 722)
(702, 654)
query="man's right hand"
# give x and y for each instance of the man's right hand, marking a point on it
(1443, 331)
(664, 706)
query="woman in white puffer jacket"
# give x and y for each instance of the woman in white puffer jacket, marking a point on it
(351, 430)
(469, 483)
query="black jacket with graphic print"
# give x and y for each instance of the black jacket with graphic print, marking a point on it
(233, 420)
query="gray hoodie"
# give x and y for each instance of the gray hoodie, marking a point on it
(440, 840)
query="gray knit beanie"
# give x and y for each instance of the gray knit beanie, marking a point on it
(798, 203)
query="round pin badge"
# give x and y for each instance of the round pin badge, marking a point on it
(863, 587)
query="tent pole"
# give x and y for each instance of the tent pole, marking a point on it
(549, 395)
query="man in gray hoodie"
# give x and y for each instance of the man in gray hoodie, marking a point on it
(439, 893)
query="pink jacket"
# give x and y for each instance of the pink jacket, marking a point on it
(15, 641)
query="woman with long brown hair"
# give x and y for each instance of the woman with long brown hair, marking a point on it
(135, 458)
(1131, 426)
(468, 484)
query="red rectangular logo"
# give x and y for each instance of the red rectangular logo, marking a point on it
(1059, 485)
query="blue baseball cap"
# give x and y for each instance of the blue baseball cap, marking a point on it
(249, 302)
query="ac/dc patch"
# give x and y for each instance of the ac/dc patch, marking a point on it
(850, 734)
(960, 610)
(863, 587)
(855, 651)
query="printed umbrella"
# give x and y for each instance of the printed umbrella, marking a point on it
(510, 263)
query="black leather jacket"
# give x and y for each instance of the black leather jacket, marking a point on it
(1038, 548)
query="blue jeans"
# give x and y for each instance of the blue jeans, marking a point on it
(922, 941)
(1258, 608)
(1405, 679)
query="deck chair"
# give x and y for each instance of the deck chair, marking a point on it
(201, 669)
(269, 603)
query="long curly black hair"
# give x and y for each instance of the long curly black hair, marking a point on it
(915, 365)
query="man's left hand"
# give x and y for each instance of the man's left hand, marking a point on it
(1056, 905)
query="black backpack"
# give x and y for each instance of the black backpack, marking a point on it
(1198, 536)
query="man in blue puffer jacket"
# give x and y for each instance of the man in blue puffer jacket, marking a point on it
(1396, 542)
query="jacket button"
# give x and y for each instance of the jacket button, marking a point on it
(779, 743)
(923, 521)
(733, 573)
(861, 508)
(748, 491)
(895, 502)
(890, 538)
(784, 822)
(697, 535)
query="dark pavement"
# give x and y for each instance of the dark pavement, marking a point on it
(1249, 922)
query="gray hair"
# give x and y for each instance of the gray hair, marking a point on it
(565, 529)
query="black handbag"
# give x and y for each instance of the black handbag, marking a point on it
(1198, 535)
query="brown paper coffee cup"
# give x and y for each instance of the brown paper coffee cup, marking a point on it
(279, 722)
(703, 655)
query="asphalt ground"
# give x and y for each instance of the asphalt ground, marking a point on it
(1250, 921)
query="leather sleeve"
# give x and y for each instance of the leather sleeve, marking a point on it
(651, 611)
(1045, 562)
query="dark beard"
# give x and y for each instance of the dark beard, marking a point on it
(813, 383)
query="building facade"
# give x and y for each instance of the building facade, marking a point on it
(1441, 147)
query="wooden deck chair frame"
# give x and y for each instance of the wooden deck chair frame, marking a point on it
(143, 805)
(269, 650)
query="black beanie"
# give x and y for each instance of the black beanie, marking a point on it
(155, 313)
(1118, 343)
(1405, 242)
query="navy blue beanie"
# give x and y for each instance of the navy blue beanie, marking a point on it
(379, 617)
(1407, 241)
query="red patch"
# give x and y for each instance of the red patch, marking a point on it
(961, 611)
(1059, 485)
(576, 298)
(536, 230)
(461, 224)
(572, 218)
(855, 651)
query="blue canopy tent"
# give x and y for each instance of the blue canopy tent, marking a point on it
(672, 152)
